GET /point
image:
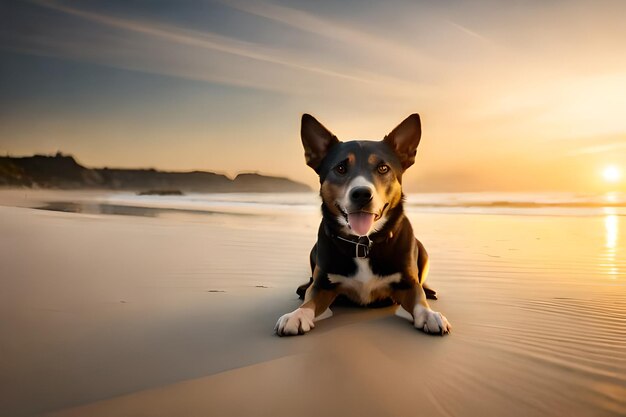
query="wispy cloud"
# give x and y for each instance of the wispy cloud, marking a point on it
(332, 29)
(208, 56)
(204, 40)
(375, 49)
(469, 32)
(598, 149)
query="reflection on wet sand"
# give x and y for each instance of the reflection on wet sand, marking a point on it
(95, 208)
(122, 210)
(611, 226)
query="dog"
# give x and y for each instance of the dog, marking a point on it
(366, 249)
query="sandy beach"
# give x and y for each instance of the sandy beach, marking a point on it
(158, 312)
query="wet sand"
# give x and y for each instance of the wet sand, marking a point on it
(172, 315)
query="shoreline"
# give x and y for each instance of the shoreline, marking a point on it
(121, 202)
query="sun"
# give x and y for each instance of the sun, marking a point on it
(611, 173)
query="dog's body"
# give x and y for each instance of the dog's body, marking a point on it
(365, 249)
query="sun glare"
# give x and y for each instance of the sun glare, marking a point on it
(611, 173)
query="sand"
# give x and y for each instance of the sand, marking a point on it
(172, 315)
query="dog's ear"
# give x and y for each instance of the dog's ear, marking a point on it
(316, 139)
(405, 138)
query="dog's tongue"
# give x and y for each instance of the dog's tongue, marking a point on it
(361, 222)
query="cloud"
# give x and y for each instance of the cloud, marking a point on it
(399, 66)
(160, 48)
(356, 64)
(468, 31)
(596, 149)
(204, 40)
(329, 28)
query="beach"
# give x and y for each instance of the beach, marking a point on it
(114, 305)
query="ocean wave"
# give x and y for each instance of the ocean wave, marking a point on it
(473, 203)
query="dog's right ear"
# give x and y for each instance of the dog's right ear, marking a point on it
(316, 139)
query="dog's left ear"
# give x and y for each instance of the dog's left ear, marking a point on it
(405, 138)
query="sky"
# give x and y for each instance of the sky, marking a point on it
(513, 96)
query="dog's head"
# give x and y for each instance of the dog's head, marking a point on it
(361, 181)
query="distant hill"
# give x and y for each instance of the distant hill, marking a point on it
(61, 171)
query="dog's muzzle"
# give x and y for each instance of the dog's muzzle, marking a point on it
(360, 197)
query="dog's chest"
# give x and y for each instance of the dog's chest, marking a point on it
(365, 286)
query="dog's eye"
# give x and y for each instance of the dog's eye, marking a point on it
(383, 169)
(341, 169)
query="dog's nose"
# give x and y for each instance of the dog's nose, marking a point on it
(361, 195)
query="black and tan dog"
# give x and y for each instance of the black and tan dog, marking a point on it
(365, 246)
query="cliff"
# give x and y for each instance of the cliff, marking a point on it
(64, 172)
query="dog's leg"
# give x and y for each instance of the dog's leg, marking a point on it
(422, 269)
(315, 307)
(301, 320)
(430, 293)
(413, 300)
(301, 291)
(302, 288)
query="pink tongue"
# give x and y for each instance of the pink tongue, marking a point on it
(361, 222)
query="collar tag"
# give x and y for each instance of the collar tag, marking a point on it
(363, 246)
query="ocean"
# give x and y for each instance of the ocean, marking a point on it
(545, 204)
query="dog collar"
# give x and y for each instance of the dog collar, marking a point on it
(363, 244)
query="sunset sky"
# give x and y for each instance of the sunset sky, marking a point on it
(520, 95)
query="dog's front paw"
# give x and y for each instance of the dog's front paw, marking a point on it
(430, 321)
(298, 321)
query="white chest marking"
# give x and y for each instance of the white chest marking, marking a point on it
(364, 283)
